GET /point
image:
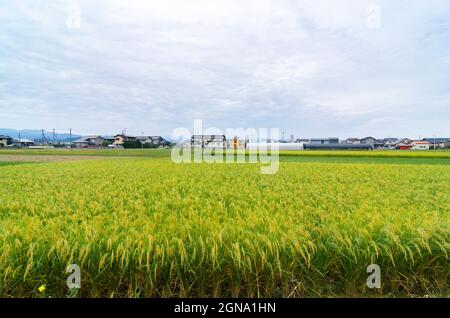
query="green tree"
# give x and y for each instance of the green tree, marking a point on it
(132, 144)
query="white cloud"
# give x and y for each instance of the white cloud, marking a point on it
(157, 65)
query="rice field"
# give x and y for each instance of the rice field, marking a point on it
(165, 153)
(151, 228)
(439, 154)
(147, 153)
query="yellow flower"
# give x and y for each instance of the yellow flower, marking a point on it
(41, 288)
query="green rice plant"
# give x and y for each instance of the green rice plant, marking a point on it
(166, 153)
(152, 228)
(368, 153)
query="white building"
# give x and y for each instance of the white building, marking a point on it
(421, 145)
(23, 142)
(208, 141)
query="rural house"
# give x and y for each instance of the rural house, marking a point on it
(153, 140)
(208, 141)
(373, 142)
(121, 138)
(88, 141)
(5, 140)
(444, 144)
(23, 142)
(352, 141)
(438, 142)
(158, 140)
(421, 145)
(404, 144)
(390, 143)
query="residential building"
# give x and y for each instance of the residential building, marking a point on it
(108, 139)
(352, 141)
(373, 142)
(121, 138)
(89, 141)
(153, 140)
(23, 142)
(438, 142)
(208, 141)
(142, 139)
(390, 143)
(5, 140)
(420, 145)
(404, 144)
(158, 140)
(390, 139)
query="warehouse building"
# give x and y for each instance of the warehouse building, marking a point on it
(337, 147)
(325, 141)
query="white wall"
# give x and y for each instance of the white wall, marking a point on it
(421, 147)
(281, 146)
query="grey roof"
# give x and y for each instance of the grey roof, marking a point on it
(125, 136)
(208, 136)
(403, 140)
(152, 138)
(329, 138)
(142, 137)
(437, 140)
(87, 138)
(24, 140)
(337, 146)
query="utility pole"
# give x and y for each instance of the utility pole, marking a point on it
(70, 138)
(142, 141)
(434, 142)
(20, 141)
(53, 135)
(44, 139)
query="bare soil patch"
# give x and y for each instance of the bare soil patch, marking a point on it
(39, 158)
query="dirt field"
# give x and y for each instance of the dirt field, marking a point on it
(39, 158)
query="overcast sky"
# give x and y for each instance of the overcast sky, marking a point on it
(348, 68)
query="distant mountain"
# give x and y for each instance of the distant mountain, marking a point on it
(34, 134)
